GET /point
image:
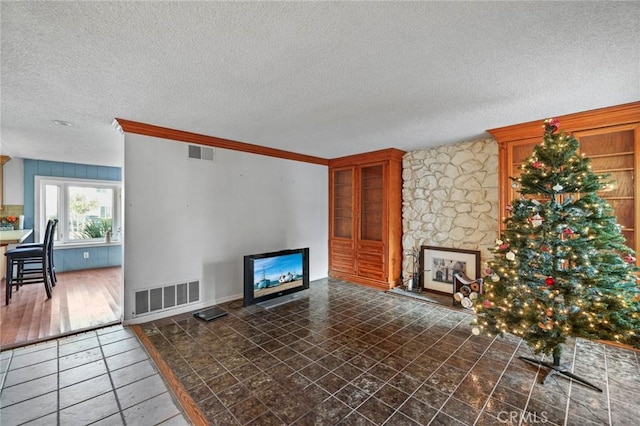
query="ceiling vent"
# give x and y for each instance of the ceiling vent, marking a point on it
(197, 152)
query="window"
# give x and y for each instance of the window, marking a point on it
(85, 209)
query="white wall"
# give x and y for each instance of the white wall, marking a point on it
(13, 182)
(193, 219)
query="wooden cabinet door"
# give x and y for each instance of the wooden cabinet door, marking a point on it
(370, 258)
(613, 152)
(342, 217)
(516, 153)
(342, 220)
(371, 202)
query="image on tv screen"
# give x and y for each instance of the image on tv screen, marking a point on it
(276, 274)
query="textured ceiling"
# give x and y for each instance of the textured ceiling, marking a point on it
(320, 78)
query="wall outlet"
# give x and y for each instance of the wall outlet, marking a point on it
(86, 254)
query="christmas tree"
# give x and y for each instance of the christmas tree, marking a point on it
(561, 267)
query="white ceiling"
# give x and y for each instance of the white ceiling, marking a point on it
(319, 78)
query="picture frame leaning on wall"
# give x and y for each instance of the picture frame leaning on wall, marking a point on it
(438, 265)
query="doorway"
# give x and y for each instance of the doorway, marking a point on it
(81, 301)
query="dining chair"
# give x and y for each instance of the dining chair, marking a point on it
(50, 229)
(31, 265)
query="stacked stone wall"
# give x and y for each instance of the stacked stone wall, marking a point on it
(450, 198)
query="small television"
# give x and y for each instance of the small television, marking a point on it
(271, 275)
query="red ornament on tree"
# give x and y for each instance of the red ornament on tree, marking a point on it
(567, 231)
(536, 164)
(550, 281)
(551, 125)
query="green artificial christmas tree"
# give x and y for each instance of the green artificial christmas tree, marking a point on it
(561, 268)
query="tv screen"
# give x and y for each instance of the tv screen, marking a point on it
(275, 274)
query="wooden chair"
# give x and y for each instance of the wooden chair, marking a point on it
(51, 228)
(32, 264)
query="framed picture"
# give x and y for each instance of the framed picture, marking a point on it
(439, 264)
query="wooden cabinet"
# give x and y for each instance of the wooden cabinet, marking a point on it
(365, 218)
(610, 137)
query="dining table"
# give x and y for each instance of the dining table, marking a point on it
(16, 236)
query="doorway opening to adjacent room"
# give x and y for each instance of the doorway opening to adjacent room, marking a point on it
(81, 300)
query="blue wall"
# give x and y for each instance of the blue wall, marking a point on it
(99, 257)
(71, 259)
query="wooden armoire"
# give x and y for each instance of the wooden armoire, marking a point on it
(365, 218)
(610, 137)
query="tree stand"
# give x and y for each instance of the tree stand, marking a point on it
(556, 368)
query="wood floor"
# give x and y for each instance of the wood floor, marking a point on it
(81, 300)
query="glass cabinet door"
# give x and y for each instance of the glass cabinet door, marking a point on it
(612, 152)
(343, 203)
(371, 202)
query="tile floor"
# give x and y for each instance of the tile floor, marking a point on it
(102, 377)
(347, 354)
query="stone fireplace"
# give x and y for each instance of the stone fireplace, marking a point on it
(450, 199)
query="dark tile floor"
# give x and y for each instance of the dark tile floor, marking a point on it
(347, 354)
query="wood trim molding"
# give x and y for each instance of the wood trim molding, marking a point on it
(368, 157)
(369, 282)
(4, 159)
(129, 126)
(187, 403)
(601, 117)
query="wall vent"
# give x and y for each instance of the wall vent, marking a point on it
(198, 152)
(166, 297)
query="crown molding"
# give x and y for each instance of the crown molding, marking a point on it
(129, 126)
(571, 123)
